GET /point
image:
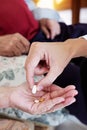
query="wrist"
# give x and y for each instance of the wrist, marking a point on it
(5, 93)
(77, 47)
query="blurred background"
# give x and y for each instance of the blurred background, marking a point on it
(71, 11)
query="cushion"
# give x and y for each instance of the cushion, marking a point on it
(12, 72)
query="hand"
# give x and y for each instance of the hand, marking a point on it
(54, 97)
(50, 27)
(50, 58)
(13, 45)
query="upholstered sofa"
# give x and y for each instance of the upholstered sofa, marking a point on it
(12, 72)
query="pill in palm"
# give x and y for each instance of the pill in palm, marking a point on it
(39, 100)
(36, 101)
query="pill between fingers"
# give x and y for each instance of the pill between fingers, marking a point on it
(34, 89)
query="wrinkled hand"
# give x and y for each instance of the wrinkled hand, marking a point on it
(50, 27)
(54, 97)
(13, 45)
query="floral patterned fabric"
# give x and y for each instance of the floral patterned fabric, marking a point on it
(12, 72)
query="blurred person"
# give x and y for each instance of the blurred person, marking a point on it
(34, 24)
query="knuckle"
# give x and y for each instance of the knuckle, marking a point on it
(36, 45)
(16, 37)
(11, 45)
(17, 34)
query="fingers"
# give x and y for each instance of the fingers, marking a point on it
(22, 49)
(47, 105)
(16, 51)
(67, 102)
(52, 105)
(30, 65)
(41, 69)
(30, 75)
(21, 43)
(54, 28)
(25, 44)
(54, 32)
(57, 102)
(46, 31)
(71, 93)
(65, 92)
(54, 87)
(49, 78)
(17, 45)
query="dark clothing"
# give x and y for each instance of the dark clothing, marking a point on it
(15, 17)
(83, 72)
(71, 74)
(67, 31)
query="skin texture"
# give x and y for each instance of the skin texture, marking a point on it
(52, 58)
(50, 27)
(13, 45)
(45, 58)
(21, 97)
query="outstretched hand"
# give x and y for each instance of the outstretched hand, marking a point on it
(50, 99)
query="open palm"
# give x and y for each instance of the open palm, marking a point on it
(54, 98)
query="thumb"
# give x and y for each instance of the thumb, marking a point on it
(46, 31)
(47, 80)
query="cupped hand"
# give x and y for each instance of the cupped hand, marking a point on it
(50, 99)
(50, 27)
(13, 45)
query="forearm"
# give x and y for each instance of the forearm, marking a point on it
(78, 47)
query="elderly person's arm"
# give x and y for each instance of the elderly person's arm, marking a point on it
(42, 102)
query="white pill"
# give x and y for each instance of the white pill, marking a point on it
(34, 89)
(36, 101)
